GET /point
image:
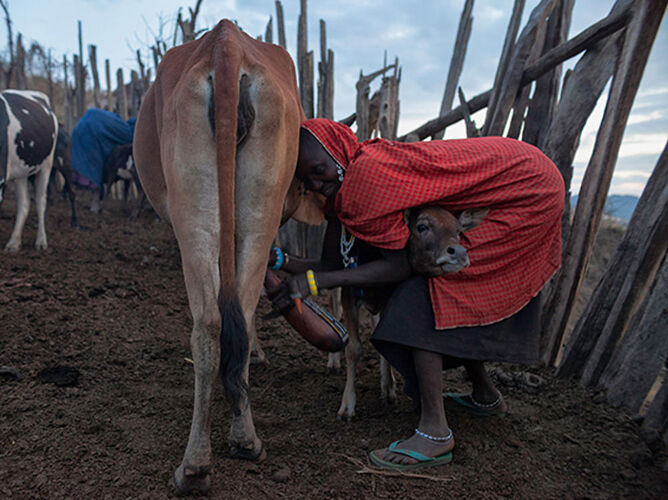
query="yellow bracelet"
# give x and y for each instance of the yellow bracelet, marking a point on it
(310, 278)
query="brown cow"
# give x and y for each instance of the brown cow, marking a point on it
(434, 249)
(216, 147)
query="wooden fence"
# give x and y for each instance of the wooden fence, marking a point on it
(620, 341)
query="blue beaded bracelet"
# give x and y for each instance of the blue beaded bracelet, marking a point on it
(280, 259)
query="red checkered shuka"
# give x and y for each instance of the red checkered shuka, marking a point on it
(515, 250)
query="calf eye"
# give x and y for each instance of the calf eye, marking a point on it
(421, 228)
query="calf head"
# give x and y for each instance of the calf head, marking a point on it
(434, 247)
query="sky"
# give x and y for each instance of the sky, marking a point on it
(421, 34)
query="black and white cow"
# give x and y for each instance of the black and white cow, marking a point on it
(28, 129)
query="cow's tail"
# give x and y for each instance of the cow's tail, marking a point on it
(233, 336)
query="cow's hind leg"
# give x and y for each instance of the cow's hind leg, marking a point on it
(202, 281)
(22, 206)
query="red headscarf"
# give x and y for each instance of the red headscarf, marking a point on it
(337, 139)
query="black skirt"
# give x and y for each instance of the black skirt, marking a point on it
(407, 322)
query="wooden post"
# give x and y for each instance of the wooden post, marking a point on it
(506, 52)
(268, 32)
(522, 98)
(107, 74)
(434, 125)
(281, 25)
(582, 89)
(643, 351)
(188, 32)
(504, 95)
(457, 62)
(638, 40)
(305, 64)
(121, 100)
(624, 285)
(20, 62)
(92, 49)
(135, 93)
(10, 45)
(322, 70)
(81, 82)
(308, 103)
(362, 104)
(543, 103)
(655, 423)
(582, 41)
(67, 105)
(519, 110)
(301, 48)
(77, 86)
(49, 75)
(156, 58)
(325, 77)
(388, 112)
(471, 129)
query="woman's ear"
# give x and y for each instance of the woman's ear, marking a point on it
(472, 217)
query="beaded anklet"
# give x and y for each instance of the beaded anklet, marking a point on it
(438, 439)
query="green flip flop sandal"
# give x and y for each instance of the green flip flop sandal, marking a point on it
(466, 403)
(423, 460)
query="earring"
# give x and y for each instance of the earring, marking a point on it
(341, 173)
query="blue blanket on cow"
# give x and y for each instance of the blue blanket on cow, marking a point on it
(93, 138)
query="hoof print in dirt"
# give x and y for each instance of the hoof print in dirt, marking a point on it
(9, 374)
(96, 291)
(282, 475)
(62, 376)
(525, 381)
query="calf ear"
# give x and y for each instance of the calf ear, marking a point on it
(472, 218)
(407, 217)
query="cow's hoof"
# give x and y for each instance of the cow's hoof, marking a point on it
(9, 248)
(189, 479)
(40, 245)
(345, 416)
(252, 454)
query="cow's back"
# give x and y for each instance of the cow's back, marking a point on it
(28, 127)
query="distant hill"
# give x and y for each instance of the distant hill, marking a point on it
(617, 205)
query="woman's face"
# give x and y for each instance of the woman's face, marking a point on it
(316, 168)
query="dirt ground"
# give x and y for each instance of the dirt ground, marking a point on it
(110, 302)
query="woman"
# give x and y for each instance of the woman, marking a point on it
(487, 312)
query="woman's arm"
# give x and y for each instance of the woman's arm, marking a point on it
(391, 268)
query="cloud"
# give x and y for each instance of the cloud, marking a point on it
(630, 174)
(398, 32)
(489, 14)
(634, 188)
(644, 117)
(653, 91)
(642, 144)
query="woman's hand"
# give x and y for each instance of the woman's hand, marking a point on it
(282, 297)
